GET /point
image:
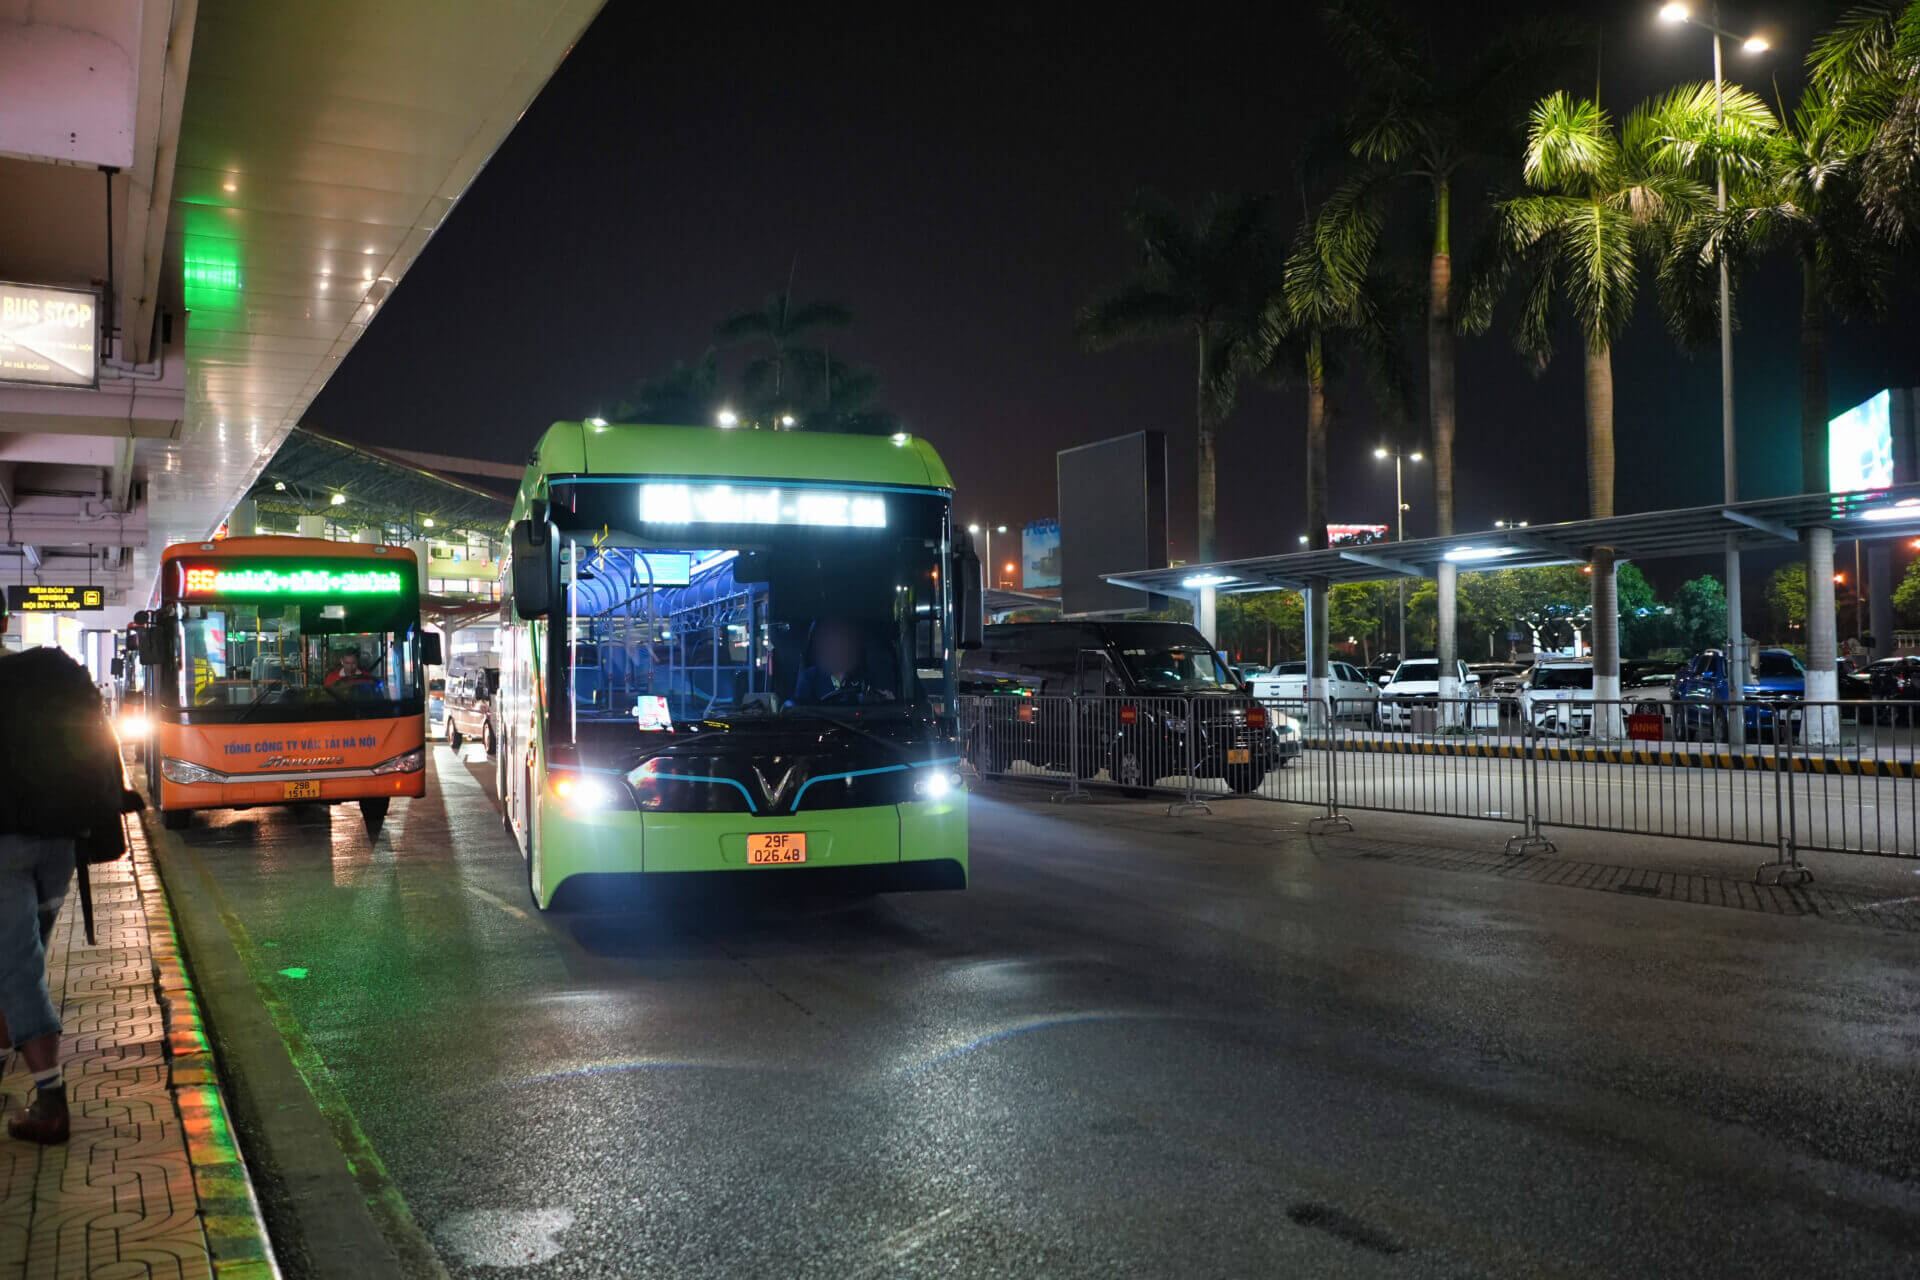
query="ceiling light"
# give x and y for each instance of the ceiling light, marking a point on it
(339, 500)
(279, 486)
(1459, 554)
(231, 187)
(727, 418)
(427, 523)
(1203, 579)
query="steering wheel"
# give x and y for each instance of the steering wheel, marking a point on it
(852, 689)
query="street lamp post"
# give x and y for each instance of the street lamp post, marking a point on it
(1399, 531)
(1729, 460)
(989, 530)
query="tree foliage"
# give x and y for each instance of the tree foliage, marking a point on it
(1198, 279)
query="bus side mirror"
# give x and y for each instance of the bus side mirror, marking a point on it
(536, 568)
(968, 602)
(149, 639)
(430, 654)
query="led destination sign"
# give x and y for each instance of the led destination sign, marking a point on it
(738, 504)
(212, 580)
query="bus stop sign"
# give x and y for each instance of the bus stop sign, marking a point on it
(35, 598)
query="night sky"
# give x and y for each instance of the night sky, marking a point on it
(956, 176)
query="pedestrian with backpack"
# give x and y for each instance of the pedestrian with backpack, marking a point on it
(62, 791)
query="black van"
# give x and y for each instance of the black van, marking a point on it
(1120, 697)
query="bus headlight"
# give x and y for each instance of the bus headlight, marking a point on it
(186, 772)
(580, 790)
(936, 785)
(406, 762)
(133, 726)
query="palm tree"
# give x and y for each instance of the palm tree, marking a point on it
(1194, 280)
(782, 378)
(1604, 202)
(1328, 302)
(1871, 57)
(1426, 121)
(1798, 191)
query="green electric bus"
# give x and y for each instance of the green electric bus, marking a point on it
(733, 653)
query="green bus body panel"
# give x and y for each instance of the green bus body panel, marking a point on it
(623, 841)
(582, 449)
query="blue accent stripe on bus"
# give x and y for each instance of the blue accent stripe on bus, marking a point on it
(754, 482)
(701, 777)
(835, 777)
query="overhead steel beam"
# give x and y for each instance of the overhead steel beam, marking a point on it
(1772, 528)
(1386, 562)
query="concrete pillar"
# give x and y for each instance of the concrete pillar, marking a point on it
(1206, 614)
(1446, 645)
(244, 521)
(1880, 596)
(1823, 677)
(1606, 644)
(313, 526)
(419, 549)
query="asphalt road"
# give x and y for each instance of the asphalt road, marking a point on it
(1206, 1047)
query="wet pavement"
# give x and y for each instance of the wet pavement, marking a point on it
(1205, 1046)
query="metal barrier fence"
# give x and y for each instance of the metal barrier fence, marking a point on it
(1787, 775)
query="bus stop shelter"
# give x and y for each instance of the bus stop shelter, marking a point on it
(1811, 521)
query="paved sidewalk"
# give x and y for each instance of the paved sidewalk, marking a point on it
(151, 1184)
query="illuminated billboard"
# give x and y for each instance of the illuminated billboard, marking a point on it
(1860, 446)
(1040, 554)
(49, 337)
(1355, 535)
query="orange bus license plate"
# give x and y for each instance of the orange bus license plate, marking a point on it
(776, 849)
(306, 789)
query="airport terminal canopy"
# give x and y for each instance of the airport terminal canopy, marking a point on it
(1891, 512)
(376, 489)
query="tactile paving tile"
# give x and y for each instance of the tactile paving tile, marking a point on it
(119, 1199)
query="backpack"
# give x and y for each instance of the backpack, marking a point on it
(60, 771)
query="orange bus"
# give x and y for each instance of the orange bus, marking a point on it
(285, 671)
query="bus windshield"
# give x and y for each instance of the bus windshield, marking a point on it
(301, 658)
(673, 622)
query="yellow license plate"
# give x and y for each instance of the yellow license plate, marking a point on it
(776, 849)
(306, 789)
(1239, 755)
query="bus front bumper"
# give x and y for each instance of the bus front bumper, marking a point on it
(918, 845)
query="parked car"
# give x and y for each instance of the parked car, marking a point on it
(1648, 673)
(1138, 698)
(1416, 683)
(1349, 692)
(1558, 698)
(470, 693)
(1897, 680)
(1774, 687)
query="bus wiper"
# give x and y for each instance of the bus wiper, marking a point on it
(258, 698)
(903, 751)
